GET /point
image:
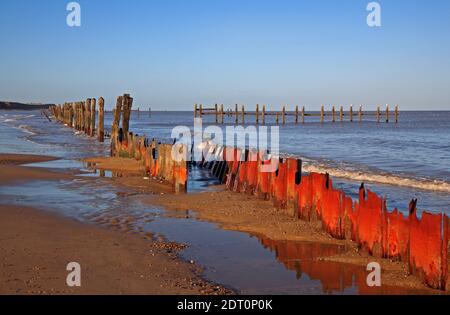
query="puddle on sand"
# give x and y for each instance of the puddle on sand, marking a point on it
(249, 264)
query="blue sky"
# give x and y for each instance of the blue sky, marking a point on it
(170, 54)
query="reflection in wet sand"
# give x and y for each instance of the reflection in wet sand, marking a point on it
(304, 258)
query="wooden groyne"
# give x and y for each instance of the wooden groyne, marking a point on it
(156, 157)
(82, 116)
(261, 115)
(420, 243)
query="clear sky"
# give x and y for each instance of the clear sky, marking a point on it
(170, 54)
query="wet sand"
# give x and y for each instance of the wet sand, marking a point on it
(36, 247)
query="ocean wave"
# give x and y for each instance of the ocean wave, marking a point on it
(388, 179)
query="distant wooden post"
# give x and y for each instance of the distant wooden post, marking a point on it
(221, 113)
(139, 112)
(396, 114)
(93, 112)
(263, 116)
(341, 113)
(243, 115)
(296, 114)
(333, 114)
(351, 113)
(195, 110)
(201, 111)
(150, 112)
(101, 120)
(276, 118)
(378, 114)
(387, 113)
(303, 114)
(283, 115)
(257, 114)
(360, 113)
(216, 112)
(236, 112)
(322, 114)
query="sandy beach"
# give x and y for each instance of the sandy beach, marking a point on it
(34, 261)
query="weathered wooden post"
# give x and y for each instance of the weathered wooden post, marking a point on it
(93, 112)
(127, 103)
(257, 114)
(276, 118)
(236, 120)
(333, 114)
(387, 113)
(351, 113)
(201, 111)
(243, 115)
(263, 116)
(221, 113)
(87, 117)
(396, 114)
(378, 114)
(360, 113)
(101, 120)
(283, 115)
(195, 110)
(303, 114)
(216, 112)
(296, 114)
(115, 125)
(341, 113)
(322, 113)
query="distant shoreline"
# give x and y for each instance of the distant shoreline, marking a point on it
(22, 106)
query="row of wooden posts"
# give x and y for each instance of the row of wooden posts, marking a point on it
(82, 116)
(421, 243)
(260, 117)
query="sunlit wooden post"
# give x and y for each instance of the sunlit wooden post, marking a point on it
(243, 115)
(257, 114)
(303, 114)
(221, 113)
(101, 120)
(93, 112)
(127, 104)
(322, 113)
(283, 115)
(201, 111)
(296, 114)
(263, 116)
(396, 114)
(351, 113)
(333, 114)
(360, 113)
(195, 110)
(341, 113)
(387, 113)
(216, 112)
(87, 117)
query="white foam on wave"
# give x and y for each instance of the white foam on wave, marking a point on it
(389, 179)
